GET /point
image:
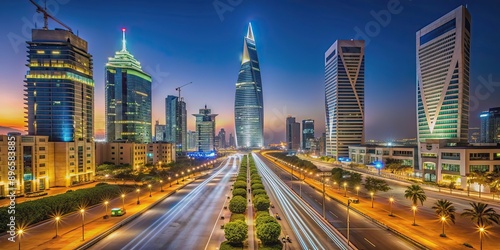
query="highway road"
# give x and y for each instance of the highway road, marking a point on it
(185, 220)
(364, 234)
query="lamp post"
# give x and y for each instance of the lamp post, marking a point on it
(414, 208)
(138, 191)
(371, 194)
(345, 189)
(177, 177)
(291, 177)
(481, 231)
(189, 170)
(443, 220)
(391, 200)
(149, 186)
(106, 209)
(357, 191)
(182, 173)
(19, 234)
(123, 202)
(161, 185)
(169, 178)
(348, 221)
(324, 214)
(57, 218)
(82, 211)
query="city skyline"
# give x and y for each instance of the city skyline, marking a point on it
(160, 60)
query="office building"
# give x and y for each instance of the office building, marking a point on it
(222, 138)
(160, 153)
(344, 96)
(248, 104)
(191, 141)
(307, 133)
(128, 98)
(205, 130)
(122, 153)
(232, 143)
(292, 134)
(371, 154)
(160, 132)
(490, 126)
(176, 122)
(59, 90)
(475, 135)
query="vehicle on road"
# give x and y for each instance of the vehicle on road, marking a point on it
(117, 212)
(353, 200)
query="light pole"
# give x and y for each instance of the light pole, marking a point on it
(391, 200)
(357, 191)
(182, 173)
(82, 211)
(414, 208)
(123, 202)
(371, 194)
(348, 221)
(57, 218)
(106, 209)
(324, 214)
(161, 185)
(177, 177)
(481, 231)
(443, 220)
(149, 186)
(291, 177)
(169, 178)
(138, 191)
(345, 189)
(19, 234)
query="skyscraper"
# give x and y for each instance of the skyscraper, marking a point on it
(128, 98)
(292, 134)
(490, 126)
(59, 87)
(344, 96)
(191, 140)
(231, 140)
(307, 133)
(222, 138)
(160, 131)
(248, 104)
(176, 122)
(443, 59)
(205, 130)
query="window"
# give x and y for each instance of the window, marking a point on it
(429, 155)
(437, 32)
(71, 163)
(450, 156)
(496, 156)
(479, 156)
(496, 168)
(42, 165)
(429, 166)
(479, 168)
(42, 172)
(72, 156)
(450, 167)
(41, 157)
(41, 148)
(88, 161)
(71, 148)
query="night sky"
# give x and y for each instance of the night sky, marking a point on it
(190, 41)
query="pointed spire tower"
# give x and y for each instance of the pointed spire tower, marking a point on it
(249, 106)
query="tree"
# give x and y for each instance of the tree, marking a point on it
(479, 177)
(268, 232)
(264, 219)
(338, 175)
(481, 214)
(374, 185)
(240, 184)
(354, 179)
(444, 210)
(237, 204)
(261, 203)
(493, 179)
(236, 232)
(415, 193)
(240, 191)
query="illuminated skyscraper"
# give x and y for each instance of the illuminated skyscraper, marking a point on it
(249, 106)
(128, 99)
(205, 130)
(344, 96)
(292, 134)
(307, 133)
(176, 122)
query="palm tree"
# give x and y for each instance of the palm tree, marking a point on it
(479, 177)
(482, 216)
(444, 209)
(415, 193)
(493, 179)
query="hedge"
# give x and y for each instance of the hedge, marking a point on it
(240, 184)
(240, 191)
(235, 217)
(237, 204)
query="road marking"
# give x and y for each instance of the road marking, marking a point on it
(317, 201)
(370, 242)
(333, 213)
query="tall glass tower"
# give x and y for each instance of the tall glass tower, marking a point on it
(176, 122)
(248, 104)
(59, 87)
(344, 96)
(128, 99)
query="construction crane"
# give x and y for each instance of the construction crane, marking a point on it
(179, 89)
(46, 16)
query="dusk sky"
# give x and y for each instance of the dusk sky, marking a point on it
(185, 41)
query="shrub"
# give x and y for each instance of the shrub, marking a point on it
(237, 204)
(262, 196)
(236, 232)
(261, 213)
(268, 232)
(264, 219)
(227, 246)
(240, 184)
(240, 191)
(101, 184)
(235, 217)
(257, 186)
(259, 192)
(261, 203)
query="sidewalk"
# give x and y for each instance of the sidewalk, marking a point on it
(428, 227)
(250, 214)
(70, 225)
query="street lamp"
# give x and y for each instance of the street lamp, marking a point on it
(357, 191)
(391, 200)
(182, 173)
(324, 214)
(106, 209)
(481, 231)
(348, 221)
(123, 202)
(371, 194)
(161, 185)
(443, 220)
(345, 189)
(57, 218)
(138, 191)
(82, 211)
(19, 234)
(170, 181)
(177, 177)
(149, 186)
(414, 208)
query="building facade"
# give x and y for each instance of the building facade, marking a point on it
(176, 122)
(191, 140)
(344, 96)
(373, 154)
(128, 99)
(161, 153)
(222, 138)
(490, 126)
(122, 153)
(307, 133)
(160, 132)
(292, 134)
(205, 130)
(232, 143)
(249, 105)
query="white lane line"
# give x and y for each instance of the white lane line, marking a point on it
(370, 242)
(333, 214)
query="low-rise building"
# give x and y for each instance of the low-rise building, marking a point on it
(161, 153)
(122, 153)
(370, 154)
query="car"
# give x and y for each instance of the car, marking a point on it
(353, 200)
(118, 212)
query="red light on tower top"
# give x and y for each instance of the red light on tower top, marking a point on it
(123, 29)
